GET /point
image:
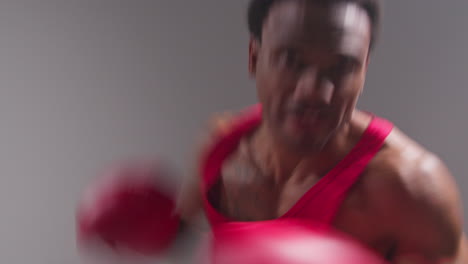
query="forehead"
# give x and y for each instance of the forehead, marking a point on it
(344, 26)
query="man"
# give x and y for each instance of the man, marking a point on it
(309, 59)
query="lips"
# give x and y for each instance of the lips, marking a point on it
(308, 119)
(304, 121)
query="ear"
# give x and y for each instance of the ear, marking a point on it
(366, 66)
(368, 61)
(254, 47)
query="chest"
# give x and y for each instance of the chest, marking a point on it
(246, 195)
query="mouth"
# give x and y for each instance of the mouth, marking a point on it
(305, 120)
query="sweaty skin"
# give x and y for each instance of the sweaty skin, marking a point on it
(405, 204)
(310, 67)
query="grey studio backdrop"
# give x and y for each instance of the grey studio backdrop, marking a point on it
(86, 82)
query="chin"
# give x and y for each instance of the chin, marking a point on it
(305, 141)
(306, 145)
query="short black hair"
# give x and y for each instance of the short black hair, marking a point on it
(258, 11)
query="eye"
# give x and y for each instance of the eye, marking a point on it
(289, 59)
(343, 66)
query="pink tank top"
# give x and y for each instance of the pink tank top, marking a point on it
(321, 202)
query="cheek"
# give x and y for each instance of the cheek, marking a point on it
(350, 90)
(263, 82)
(274, 90)
(346, 99)
(346, 102)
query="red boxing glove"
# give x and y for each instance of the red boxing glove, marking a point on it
(129, 208)
(285, 242)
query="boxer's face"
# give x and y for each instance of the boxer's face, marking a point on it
(310, 68)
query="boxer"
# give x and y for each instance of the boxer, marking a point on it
(305, 151)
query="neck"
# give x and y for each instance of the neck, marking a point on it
(278, 160)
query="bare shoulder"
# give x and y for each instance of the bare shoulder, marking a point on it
(418, 196)
(189, 198)
(215, 126)
(408, 164)
(412, 170)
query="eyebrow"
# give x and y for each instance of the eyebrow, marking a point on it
(339, 50)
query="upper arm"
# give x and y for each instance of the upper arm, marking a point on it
(429, 221)
(189, 202)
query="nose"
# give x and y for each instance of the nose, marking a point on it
(311, 88)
